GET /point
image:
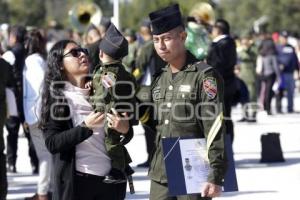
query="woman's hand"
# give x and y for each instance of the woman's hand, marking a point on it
(94, 119)
(117, 122)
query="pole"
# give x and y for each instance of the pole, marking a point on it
(116, 18)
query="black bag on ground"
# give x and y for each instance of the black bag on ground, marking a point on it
(270, 148)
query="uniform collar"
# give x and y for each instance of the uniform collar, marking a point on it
(112, 62)
(189, 63)
(188, 67)
(220, 37)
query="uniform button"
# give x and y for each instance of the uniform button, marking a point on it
(166, 121)
(171, 87)
(169, 105)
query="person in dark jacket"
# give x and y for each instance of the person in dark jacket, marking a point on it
(288, 63)
(5, 81)
(16, 57)
(223, 57)
(73, 132)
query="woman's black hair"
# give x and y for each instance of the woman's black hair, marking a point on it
(35, 43)
(19, 32)
(52, 95)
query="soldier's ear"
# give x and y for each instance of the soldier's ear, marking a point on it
(183, 35)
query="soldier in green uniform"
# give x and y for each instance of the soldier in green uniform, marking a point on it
(247, 57)
(114, 91)
(188, 97)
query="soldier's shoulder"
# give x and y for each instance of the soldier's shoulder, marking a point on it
(202, 67)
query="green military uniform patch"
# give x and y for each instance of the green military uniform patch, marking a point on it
(210, 87)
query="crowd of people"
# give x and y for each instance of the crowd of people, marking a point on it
(53, 84)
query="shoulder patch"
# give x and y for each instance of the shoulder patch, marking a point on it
(108, 79)
(210, 87)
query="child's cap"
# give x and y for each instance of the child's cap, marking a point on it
(114, 43)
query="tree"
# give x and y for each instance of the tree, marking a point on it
(133, 12)
(4, 14)
(281, 14)
(27, 12)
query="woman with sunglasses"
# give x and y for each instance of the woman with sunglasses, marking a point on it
(73, 133)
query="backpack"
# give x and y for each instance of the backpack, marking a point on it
(270, 148)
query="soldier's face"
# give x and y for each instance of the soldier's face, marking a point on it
(75, 63)
(170, 45)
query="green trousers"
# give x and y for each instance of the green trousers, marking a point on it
(159, 191)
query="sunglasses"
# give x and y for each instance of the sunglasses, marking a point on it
(76, 52)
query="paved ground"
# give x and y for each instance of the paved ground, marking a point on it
(257, 181)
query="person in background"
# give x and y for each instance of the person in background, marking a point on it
(6, 80)
(198, 27)
(130, 59)
(288, 63)
(93, 38)
(148, 63)
(223, 57)
(246, 72)
(268, 71)
(33, 76)
(179, 88)
(16, 57)
(73, 132)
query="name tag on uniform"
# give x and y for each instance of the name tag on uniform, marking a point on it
(184, 88)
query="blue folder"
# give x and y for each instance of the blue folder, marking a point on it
(174, 168)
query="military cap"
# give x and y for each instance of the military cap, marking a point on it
(114, 43)
(165, 19)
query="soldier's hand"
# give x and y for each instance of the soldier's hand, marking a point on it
(211, 190)
(117, 122)
(94, 119)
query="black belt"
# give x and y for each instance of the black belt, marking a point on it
(90, 176)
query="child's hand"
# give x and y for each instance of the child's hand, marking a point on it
(88, 85)
(118, 122)
(94, 119)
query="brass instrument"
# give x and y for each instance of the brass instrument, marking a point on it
(83, 14)
(203, 13)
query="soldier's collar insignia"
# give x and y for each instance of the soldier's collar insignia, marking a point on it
(210, 87)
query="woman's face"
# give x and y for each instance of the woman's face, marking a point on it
(75, 61)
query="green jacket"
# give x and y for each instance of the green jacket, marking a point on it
(247, 58)
(197, 88)
(147, 59)
(120, 96)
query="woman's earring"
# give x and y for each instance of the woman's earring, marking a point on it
(61, 68)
